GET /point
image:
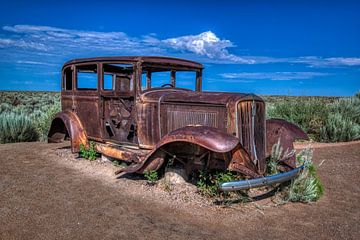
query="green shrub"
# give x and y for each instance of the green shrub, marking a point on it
(88, 153)
(277, 154)
(349, 108)
(304, 188)
(208, 182)
(5, 107)
(307, 186)
(357, 95)
(335, 121)
(309, 115)
(151, 176)
(17, 127)
(44, 120)
(339, 128)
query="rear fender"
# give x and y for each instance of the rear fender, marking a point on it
(235, 157)
(64, 124)
(286, 133)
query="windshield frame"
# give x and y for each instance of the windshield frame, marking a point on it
(144, 69)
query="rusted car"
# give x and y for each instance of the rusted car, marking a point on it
(149, 110)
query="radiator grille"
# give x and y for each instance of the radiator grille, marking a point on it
(178, 119)
(245, 128)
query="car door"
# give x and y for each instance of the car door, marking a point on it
(86, 98)
(118, 99)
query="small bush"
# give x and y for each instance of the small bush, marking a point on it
(277, 154)
(307, 186)
(339, 128)
(357, 95)
(88, 153)
(304, 188)
(348, 108)
(43, 122)
(151, 176)
(17, 127)
(5, 107)
(208, 182)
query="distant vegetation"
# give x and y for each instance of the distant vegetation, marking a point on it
(325, 120)
(26, 116)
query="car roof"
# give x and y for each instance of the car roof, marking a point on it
(168, 61)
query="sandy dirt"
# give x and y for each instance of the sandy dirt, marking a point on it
(45, 193)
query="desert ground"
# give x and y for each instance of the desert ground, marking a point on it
(45, 194)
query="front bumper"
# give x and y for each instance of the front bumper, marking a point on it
(260, 182)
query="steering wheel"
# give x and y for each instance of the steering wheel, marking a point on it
(167, 84)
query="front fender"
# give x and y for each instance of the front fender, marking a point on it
(67, 123)
(235, 157)
(208, 137)
(287, 133)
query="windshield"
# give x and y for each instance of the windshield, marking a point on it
(168, 78)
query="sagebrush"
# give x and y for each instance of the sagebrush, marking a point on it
(306, 187)
(17, 127)
(334, 121)
(38, 108)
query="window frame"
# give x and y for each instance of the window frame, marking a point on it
(76, 68)
(113, 91)
(63, 87)
(198, 77)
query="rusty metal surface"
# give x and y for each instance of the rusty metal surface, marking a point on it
(210, 148)
(232, 134)
(286, 133)
(67, 123)
(251, 129)
(143, 59)
(128, 155)
(211, 138)
(185, 96)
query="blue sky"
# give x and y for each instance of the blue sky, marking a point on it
(282, 47)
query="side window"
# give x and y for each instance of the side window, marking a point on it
(68, 79)
(143, 81)
(108, 81)
(87, 78)
(118, 77)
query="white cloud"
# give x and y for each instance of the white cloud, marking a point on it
(6, 42)
(35, 63)
(207, 44)
(314, 61)
(67, 40)
(272, 75)
(35, 43)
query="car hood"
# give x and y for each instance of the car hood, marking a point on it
(186, 96)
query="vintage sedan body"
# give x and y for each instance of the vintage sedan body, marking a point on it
(147, 110)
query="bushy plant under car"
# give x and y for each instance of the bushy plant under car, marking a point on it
(88, 152)
(306, 187)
